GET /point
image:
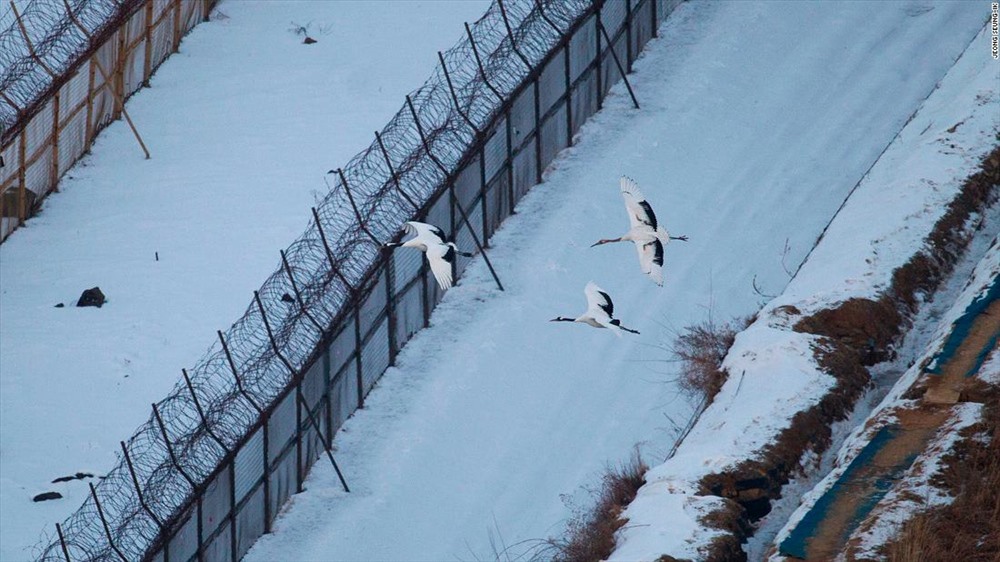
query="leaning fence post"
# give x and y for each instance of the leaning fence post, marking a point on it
(392, 171)
(119, 99)
(357, 212)
(62, 542)
(138, 488)
(195, 490)
(454, 96)
(510, 33)
(298, 294)
(104, 522)
(323, 438)
(614, 56)
(201, 413)
(329, 254)
(472, 231)
(479, 63)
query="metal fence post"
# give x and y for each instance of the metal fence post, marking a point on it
(329, 397)
(195, 488)
(54, 177)
(138, 488)
(628, 35)
(654, 17)
(104, 523)
(597, 60)
(357, 354)
(62, 542)
(265, 418)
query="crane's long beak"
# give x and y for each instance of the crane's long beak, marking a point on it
(598, 243)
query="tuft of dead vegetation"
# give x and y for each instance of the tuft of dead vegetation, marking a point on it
(700, 349)
(590, 535)
(968, 528)
(731, 518)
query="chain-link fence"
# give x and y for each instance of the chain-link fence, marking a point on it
(208, 472)
(66, 67)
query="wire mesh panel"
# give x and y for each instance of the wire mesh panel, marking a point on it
(250, 465)
(250, 522)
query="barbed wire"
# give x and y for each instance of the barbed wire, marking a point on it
(329, 267)
(40, 55)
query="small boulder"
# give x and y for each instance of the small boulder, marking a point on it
(308, 40)
(60, 305)
(92, 297)
(47, 496)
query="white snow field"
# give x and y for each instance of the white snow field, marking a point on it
(757, 120)
(881, 226)
(242, 124)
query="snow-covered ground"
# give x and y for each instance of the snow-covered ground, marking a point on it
(880, 227)
(757, 120)
(242, 124)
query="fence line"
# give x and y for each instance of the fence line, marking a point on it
(68, 68)
(207, 474)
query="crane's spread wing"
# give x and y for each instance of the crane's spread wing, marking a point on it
(440, 258)
(639, 211)
(651, 259)
(427, 231)
(599, 305)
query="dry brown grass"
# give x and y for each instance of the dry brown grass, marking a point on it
(701, 349)
(590, 535)
(967, 529)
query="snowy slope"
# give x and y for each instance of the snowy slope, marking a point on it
(242, 124)
(883, 223)
(756, 121)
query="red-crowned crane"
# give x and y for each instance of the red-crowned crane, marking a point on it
(649, 237)
(440, 253)
(600, 311)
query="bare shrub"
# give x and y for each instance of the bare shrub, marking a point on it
(590, 535)
(701, 349)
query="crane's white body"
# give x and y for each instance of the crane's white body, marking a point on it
(600, 311)
(440, 253)
(649, 237)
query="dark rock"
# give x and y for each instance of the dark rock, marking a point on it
(60, 305)
(308, 40)
(47, 496)
(92, 297)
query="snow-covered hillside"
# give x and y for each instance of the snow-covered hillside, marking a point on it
(757, 120)
(242, 124)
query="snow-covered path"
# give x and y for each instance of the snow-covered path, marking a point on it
(242, 124)
(757, 119)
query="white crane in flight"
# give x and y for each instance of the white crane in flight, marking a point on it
(600, 312)
(649, 237)
(440, 253)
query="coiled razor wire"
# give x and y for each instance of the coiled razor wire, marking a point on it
(208, 414)
(30, 66)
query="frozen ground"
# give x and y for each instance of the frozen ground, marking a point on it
(880, 227)
(756, 122)
(242, 124)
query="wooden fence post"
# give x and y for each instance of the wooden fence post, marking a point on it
(177, 25)
(118, 72)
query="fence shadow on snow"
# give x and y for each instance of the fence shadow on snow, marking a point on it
(206, 475)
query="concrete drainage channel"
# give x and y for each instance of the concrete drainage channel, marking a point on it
(824, 531)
